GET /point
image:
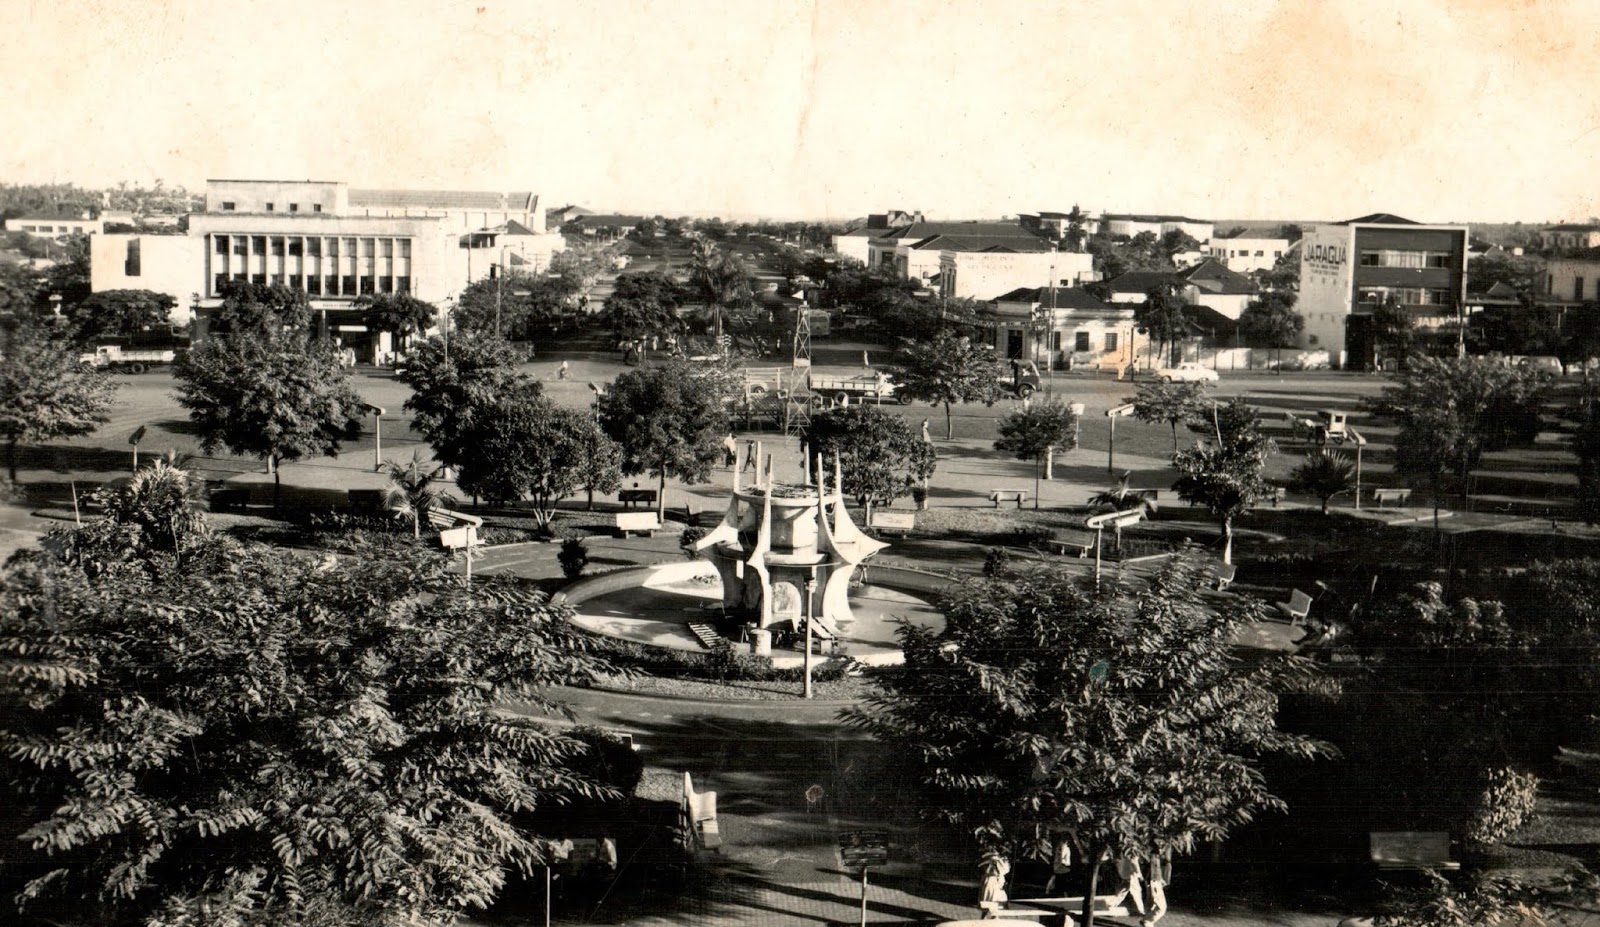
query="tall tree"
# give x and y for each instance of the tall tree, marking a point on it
(267, 739)
(257, 307)
(400, 314)
(528, 447)
(582, 264)
(946, 370)
(1270, 321)
(1115, 709)
(1173, 403)
(121, 314)
(644, 305)
(720, 279)
(274, 395)
(1032, 433)
(68, 277)
(1165, 315)
(453, 384)
(21, 290)
(669, 421)
(414, 490)
(1323, 474)
(880, 457)
(1395, 330)
(45, 391)
(1226, 477)
(599, 463)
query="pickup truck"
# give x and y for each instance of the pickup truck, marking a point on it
(116, 357)
(1023, 379)
(875, 385)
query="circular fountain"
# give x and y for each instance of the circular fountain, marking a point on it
(785, 563)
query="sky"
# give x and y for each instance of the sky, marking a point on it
(1438, 110)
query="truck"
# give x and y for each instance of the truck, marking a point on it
(874, 385)
(129, 360)
(1022, 380)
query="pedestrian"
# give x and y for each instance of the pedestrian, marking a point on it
(730, 451)
(1060, 862)
(561, 372)
(749, 456)
(992, 897)
(926, 437)
(1160, 866)
(1131, 880)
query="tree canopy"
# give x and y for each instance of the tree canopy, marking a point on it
(266, 739)
(880, 457)
(945, 370)
(669, 420)
(1226, 476)
(1175, 403)
(453, 384)
(45, 391)
(399, 314)
(644, 305)
(1117, 709)
(259, 307)
(527, 446)
(1032, 432)
(121, 313)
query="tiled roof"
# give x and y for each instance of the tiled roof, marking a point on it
(602, 221)
(918, 231)
(443, 199)
(1139, 218)
(1064, 297)
(1212, 277)
(990, 243)
(1571, 228)
(1381, 218)
(1143, 281)
(513, 227)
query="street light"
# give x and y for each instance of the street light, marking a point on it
(377, 414)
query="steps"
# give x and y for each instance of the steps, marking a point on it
(707, 636)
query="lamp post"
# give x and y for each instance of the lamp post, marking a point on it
(377, 413)
(809, 586)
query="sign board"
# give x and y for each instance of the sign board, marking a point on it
(1114, 519)
(1409, 849)
(1116, 411)
(863, 848)
(137, 436)
(457, 538)
(371, 409)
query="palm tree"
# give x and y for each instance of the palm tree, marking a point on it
(1324, 474)
(721, 279)
(1123, 498)
(411, 491)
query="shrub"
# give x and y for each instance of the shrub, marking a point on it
(609, 759)
(996, 561)
(1507, 803)
(919, 495)
(502, 534)
(574, 556)
(691, 536)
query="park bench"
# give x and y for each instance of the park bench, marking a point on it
(1297, 608)
(889, 522)
(1411, 849)
(1068, 906)
(632, 497)
(1276, 494)
(1018, 496)
(1397, 496)
(1076, 543)
(1221, 575)
(707, 635)
(645, 523)
(700, 814)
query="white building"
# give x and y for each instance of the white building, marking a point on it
(333, 243)
(1245, 255)
(54, 226)
(1133, 225)
(912, 252)
(986, 272)
(1062, 328)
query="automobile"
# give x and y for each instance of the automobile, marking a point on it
(1187, 371)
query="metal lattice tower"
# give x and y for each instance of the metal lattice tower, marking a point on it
(797, 408)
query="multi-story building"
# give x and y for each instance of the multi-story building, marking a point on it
(331, 242)
(1574, 278)
(1567, 237)
(853, 243)
(1244, 254)
(1349, 269)
(1063, 328)
(982, 269)
(912, 252)
(1132, 225)
(1206, 284)
(54, 226)
(1054, 225)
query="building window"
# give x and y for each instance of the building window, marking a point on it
(227, 206)
(1550, 284)
(217, 281)
(1369, 259)
(1441, 297)
(1577, 288)
(314, 247)
(1111, 341)
(405, 247)
(131, 265)
(270, 207)
(222, 244)
(367, 285)
(314, 285)
(296, 247)
(330, 285)
(333, 247)
(294, 207)
(258, 244)
(366, 247)
(277, 246)
(316, 207)
(402, 284)
(1080, 341)
(386, 284)
(258, 279)
(386, 248)
(347, 285)
(1055, 341)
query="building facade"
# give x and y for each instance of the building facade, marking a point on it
(332, 243)
(1246, 255)
(1132, 225)
(1349, 269)
(985, 273)
(54, 226)
(912, 252)
(1567, 237)
(1062, 328)
(1575, 279)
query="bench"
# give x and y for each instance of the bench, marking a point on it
(1297, 608)
(645, 523)
(1066, 908)
(1411, 849)
(1076, 543)
(884, 522)
(1221, 576)
(632, 497)
(1018, 496)
(1397, 496)
(700, 813)
(1276, 494)
(707, 636)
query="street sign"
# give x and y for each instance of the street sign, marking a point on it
(1114, 519)
(1116, 411)
(863, 848)
(137, 436)
(457, 538)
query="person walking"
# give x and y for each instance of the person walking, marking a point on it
(1131, 880)
(1160, 873)
(561, 372)
(749, 457)
(730, 451)
(1060, 862)
(992, 897)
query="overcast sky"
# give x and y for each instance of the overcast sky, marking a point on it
(1482, 110)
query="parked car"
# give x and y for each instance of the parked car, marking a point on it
(1187, 371)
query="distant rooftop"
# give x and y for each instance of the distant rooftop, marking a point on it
(918, 231)
(443, 199)
(1380, 218)
(1151, 218)
(1061, 297)
(1571, 227)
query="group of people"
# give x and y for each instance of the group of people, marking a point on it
(1140, 880)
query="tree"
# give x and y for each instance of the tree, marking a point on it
(1117, 709)
(513, 303)
(1271, 322)
(400, 314)
(528, 446)
(582, 264)
(1033, 432)
(880, 457)
(1394, 329)
(1226, 478)
(644, 305)
(413, 491)
(267, 739)
(21, 289)
(720, 279)
(1452, 411)
(46, 392)
(599, 462)
(1165, 315)
(669, 421)
(1323, 474)
(1173, 403)
(121, 313)
(1075, 236)
(1586, 445)
(1124, 498)
(453, 386)
(257, 307)
(274, 395)
(149, 525)
(946, 370)
(1522, 273)
(68, 277)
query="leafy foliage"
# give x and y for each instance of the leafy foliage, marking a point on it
(668, 421)
(644, 305)
(1165, 315)
(1116, 709)
(399, 314)
(1227, 478)
(454, 384)
(45, 392)
(121, 313)
(1509, 801)
(880, 457)
(271, 740)
(1031, 432)
(1323, 474)
(528, 446)
(1270, 320)
(413, 491)
(515, 302)
(946, 370)
(248, 308)
(1174, 403)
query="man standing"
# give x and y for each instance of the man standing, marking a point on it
(1160, 873)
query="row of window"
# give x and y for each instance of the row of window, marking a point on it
(314, 285)
(231, 206)
(52, 229)
(1413, 260)
(310, 246)
(1406, 296)
(1082, 342)
(1224, 252)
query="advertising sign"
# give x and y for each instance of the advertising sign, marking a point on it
(863, 848)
